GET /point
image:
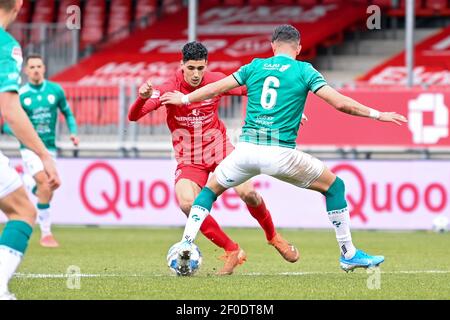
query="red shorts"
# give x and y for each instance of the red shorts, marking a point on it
(199, 173)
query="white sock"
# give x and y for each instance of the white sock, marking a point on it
(44, 221)
(9, 261)
(196, 217)
(341, 222)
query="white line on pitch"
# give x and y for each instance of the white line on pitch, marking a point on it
(253, 274)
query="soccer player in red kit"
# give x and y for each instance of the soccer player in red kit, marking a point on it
(200, 143)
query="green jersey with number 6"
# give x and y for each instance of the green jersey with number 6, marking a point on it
(277, 90)
(10, 62)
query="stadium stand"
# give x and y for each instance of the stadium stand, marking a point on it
(93, 22)
(119, 18)
(44, 12)
(145, 8)
(101, 86)
(432, 64)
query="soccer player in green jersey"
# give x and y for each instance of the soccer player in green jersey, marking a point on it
(277, 91)
(41, 99)
(14, 201)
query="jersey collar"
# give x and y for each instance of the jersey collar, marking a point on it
(284, 55)
(39, 87)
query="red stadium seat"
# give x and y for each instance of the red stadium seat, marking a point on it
(172, 6)
(44, 11)
(94, 105)
(435, 8)
(258, 2)
(383, 3)
(400, 11)
(307, 2)
(436, 4)
(283, 2)
(145, 8)
(94, 16)
(233, 2)
(119, 17)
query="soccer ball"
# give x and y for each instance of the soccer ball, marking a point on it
(195, 260)
(440, 224)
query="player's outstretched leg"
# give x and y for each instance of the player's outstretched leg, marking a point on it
(257, 208)
(15, 236)
(186, 191)
(333, 188)
(199, 211)
(44, 194)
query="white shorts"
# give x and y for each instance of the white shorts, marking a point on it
(9, 179)
(32, 162)
(248, 160)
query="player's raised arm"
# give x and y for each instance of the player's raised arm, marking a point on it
(147, 101)
(209, 91)
(348, 105)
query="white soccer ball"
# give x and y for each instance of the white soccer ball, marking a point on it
(440, 224)
(195, 260)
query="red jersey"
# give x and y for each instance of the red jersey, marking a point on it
(198, 135)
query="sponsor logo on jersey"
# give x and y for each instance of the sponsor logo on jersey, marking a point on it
(17, 55)
(284, 67)
(270, 66)
(51, 99)
(195, 119)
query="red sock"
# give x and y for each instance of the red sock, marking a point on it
(214, 232)
(262, 215)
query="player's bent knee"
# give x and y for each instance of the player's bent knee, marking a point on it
(335, 195)
(336, 188)
(18, 206)
(43, 188)
(250, 197)
(186, 205)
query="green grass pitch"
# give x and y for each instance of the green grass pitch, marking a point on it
(130, 263)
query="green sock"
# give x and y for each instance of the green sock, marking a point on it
(16, 235)
(205, 199)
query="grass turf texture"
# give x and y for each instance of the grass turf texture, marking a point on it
(131, 264)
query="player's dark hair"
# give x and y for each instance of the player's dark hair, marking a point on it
(7, 5)
(33, 56)
(286, 33)
(194, 51)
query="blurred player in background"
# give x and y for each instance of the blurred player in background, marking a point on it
(41, 99)
(196, 160)
(277, 90)
(13, 198)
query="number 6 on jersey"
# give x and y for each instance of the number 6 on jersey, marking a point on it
(269, 94)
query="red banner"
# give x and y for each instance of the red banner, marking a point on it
(427, 112)
(432, 64)
(234, 35)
